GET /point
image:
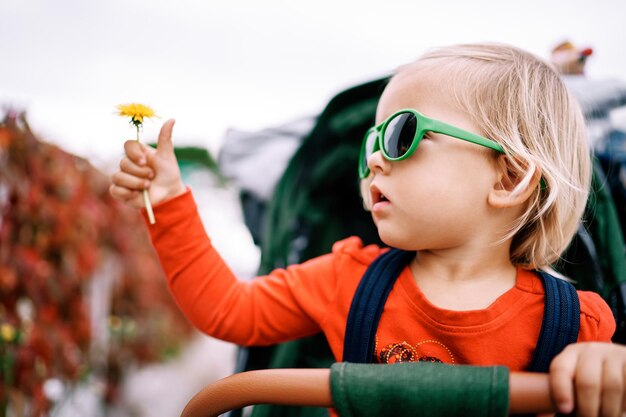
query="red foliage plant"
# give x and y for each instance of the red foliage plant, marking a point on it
(59, 232)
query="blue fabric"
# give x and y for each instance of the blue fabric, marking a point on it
(368, 303)
(561, 321)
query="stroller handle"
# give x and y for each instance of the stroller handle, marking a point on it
(529, 392)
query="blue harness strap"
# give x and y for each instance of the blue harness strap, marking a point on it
(368, 303)
(561, 321)
(561, 316)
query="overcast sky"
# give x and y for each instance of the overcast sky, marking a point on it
(249, 64)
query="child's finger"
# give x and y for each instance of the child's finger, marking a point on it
(588, 382)
(612, 389)
(128, 166)
(135, 151)
(122, 194)
(122, 179)
(562, 371)
(164, 144)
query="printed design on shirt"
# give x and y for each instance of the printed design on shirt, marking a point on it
(424, 351)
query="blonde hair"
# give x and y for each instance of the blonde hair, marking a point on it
(519, 101)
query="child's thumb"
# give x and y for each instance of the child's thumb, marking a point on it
(164, 143)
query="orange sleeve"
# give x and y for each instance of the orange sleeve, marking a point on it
(287, 304)
(596, 319)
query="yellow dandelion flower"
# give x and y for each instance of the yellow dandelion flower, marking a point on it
(7, 332)
(136, 111)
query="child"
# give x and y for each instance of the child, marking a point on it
(482, 213)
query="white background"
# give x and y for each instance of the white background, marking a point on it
(249, 64)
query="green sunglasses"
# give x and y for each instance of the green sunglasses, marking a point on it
(399, 135)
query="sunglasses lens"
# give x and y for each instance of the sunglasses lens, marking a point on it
(368, 149)
(399, 134)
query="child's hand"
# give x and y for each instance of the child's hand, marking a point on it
(593, 374)
(147, 168)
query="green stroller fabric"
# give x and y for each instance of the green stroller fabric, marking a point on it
(419, 389)
(595, 259)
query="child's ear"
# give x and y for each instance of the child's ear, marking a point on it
(514, 185)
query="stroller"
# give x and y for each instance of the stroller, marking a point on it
(316, 202)
(428, 389)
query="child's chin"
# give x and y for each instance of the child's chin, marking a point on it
(393, 241)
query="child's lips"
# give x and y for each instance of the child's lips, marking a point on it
(379, 199)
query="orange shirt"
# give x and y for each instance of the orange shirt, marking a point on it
(316, 295)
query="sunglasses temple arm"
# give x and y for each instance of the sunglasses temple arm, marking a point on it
(446, 129)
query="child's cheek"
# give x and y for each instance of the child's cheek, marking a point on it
(365, 193)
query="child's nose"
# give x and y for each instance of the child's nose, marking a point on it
(377, 163)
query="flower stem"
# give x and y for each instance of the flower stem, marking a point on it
(146, 197)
